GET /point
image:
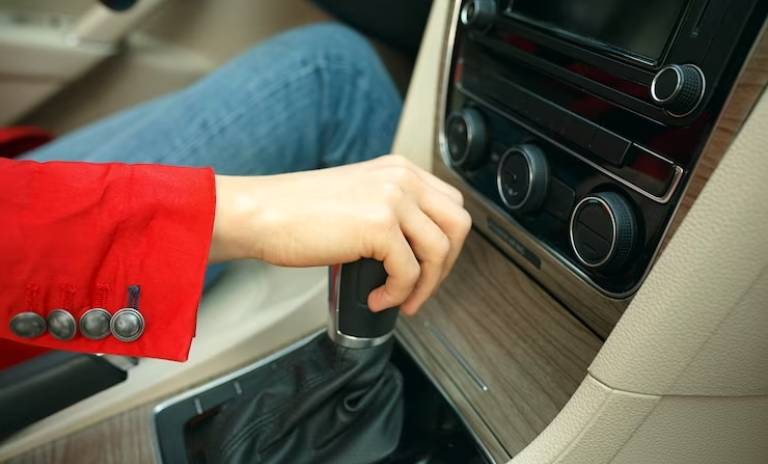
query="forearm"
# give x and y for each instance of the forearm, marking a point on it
(235, 209)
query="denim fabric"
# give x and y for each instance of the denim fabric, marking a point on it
(309, 98)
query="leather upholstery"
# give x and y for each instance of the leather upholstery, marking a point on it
(320, 404)
(683, 378)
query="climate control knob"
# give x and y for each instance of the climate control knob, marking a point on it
(678, 88)
(467, 139)
(603, 230)
(522, 178)
(478, 14)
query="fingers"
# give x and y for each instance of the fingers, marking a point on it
(453, 220)
(430, 231)
(431, 247)
(402, 268)
(440, 185)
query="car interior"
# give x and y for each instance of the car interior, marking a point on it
(610, 304)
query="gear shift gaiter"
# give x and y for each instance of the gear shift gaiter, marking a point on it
(335, 400)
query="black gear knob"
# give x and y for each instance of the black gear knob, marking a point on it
(352, 324)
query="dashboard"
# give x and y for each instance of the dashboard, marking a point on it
(579, 125)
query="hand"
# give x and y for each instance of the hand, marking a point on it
(386, 209)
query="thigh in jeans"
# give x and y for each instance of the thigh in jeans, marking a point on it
(312, 97)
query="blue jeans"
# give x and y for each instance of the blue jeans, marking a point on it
(309, 98)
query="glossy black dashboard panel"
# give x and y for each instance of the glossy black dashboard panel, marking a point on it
(616, 156)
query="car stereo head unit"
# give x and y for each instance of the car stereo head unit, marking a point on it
(636, 31)
(578, 123)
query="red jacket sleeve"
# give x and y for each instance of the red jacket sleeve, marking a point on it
(76, 236)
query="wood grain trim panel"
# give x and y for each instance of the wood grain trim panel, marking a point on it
(123, 438)
(515, 354)
(597, 310)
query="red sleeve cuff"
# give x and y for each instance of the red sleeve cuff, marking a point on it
(76, 235)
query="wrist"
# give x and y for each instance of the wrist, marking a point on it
(234, 227)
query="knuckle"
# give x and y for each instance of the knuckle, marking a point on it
(402, 175)
(464, 221)
(442, 248)
(399, 160)
(459, 195)
(393, 193)
(412, 275)
(382, 219)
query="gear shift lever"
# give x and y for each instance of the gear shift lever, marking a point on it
(351, 323)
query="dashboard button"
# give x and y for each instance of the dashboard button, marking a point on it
(478, 14)
(609, 146)
(466, 137)
(578, 131)
(522, 178)
(604, 230)
(678, 89)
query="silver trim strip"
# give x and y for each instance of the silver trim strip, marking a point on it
(440, 336)
(450, 401)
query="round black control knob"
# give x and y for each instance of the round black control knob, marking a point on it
(523, 178)
(678, 88)
(478, 14)
(603, 230)
(467, 138)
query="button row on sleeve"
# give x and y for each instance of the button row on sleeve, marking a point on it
(126, 325)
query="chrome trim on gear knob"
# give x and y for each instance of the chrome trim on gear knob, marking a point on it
(334, 332)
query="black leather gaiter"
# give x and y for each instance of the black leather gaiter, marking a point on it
(322, 403)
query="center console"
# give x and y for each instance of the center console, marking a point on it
(578, 125)
(433, 433)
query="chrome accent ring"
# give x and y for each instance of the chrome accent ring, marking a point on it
(676, 68)
(678, 87)
(614, 231)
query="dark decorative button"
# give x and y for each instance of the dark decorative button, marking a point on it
(522, 178)
(62, 324)
(27, 325)
(94, 323)
(127, 325)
